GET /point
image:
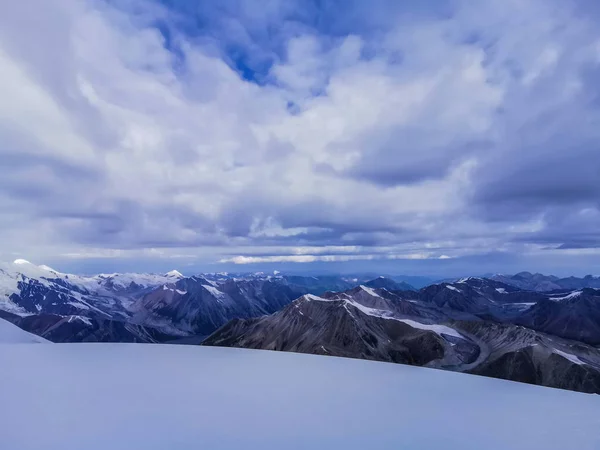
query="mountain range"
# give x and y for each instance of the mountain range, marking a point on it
(484, 326)
(544, 283)
(134, 307)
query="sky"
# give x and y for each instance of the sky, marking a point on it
(431, 137)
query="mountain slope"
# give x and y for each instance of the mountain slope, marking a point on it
(12, 334)
(119, 396)
(196, 305)
(342, 328)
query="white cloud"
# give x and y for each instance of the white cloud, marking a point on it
(115, 145)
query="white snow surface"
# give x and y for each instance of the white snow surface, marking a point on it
(569, 356)
(174, 273)
(156, 397)
(501, 290)
(452, 288)
(369, 311)
(12, 334)
(20, 261)
(214, 291)
(566, 297)
(369, 291)
(464, 280)
(315, 297)
(439, 329)
(83, 319)
(520, 305)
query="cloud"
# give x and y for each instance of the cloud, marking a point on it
(243, 131)
(317, 258)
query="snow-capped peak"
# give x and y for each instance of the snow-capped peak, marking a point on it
(174, 273)
(23, 267)
(464, 280)
(48, 268)
(314, 297)
(21, 261)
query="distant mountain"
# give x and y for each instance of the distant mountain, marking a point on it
(469, 326)
(389, 284)
(198, 306)
(546, 283)
(27, 289)
(144, 307)
(568, 314)
(573, 315)
(487, 299)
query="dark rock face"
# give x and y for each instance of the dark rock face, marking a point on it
(573, 315)
(61, 329)
(515, 366)
(195, 306)
(550, 369)
(568, 314)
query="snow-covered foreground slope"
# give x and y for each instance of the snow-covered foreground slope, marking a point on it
(12, 334)
(122, 396)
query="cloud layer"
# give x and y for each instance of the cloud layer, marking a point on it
(284, 131)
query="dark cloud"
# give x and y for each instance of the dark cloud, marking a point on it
(401, 159)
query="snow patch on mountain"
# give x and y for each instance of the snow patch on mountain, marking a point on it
(439, 329)
(369, 311)
(466, 279)
(214, 291)
(369, 291)
(452, 288)
(81, 319)
(566, 297)
(569, 356)
(315, 297)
